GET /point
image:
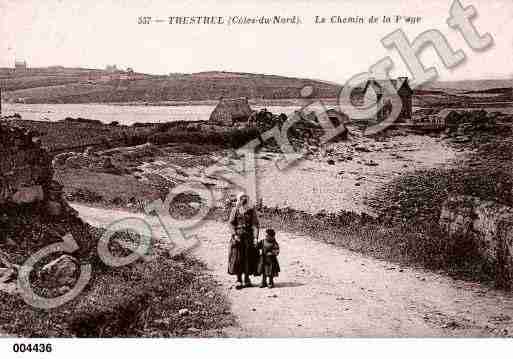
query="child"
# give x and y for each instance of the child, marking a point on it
(268, 264)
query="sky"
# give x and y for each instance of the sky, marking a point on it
(94, 33)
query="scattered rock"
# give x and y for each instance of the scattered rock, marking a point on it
(342, 298)
(60, 159)
(8, 240)
(62, 290)
(7, 274)
(500, 318)
(461, 139)
(107, 163)
(60, 272)
(78, 161)
(89, 151)
(195, 205)
(452, 325)
(163, 321)
(370, 163)
(184, 312)
(361, 148)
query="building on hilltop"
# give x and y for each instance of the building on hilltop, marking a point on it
(230, 111)
(111, 68)
(20, 65)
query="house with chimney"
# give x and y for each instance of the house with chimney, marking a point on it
(381, 92)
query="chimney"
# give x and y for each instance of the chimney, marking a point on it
(403, 79)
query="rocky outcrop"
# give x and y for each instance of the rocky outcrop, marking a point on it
(60, 273)
(33, 211)
(463, 126)
(26, 172)
(105, 161)
(488, 225)
(25, 168)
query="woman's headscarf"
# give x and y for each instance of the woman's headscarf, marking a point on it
(239, 205)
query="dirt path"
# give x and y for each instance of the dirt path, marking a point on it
(327, 291)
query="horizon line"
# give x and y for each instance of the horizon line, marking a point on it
(491, 78)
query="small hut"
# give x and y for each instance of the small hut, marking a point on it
(230, 111)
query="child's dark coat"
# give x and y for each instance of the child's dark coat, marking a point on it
(268, 262)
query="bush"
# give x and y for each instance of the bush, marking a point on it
(83, 120)
(229, 139)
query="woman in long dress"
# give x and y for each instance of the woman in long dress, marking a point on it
(242, 258)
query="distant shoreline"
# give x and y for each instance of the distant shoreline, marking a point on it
(254, 102)
(178, 103)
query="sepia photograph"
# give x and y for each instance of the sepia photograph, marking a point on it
(273, 169)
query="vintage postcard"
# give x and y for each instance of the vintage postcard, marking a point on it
(273, 169)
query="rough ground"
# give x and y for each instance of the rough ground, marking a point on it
(327, 291)
(315, 185)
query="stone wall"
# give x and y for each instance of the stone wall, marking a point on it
(34, 214)
(489, 225)
(25, 168)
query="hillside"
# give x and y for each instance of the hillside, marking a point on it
(80, 85)
(470, 85)
(65, 85)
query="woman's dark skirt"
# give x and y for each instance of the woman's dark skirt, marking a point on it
(242, 256)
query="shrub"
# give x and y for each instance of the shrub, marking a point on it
(229, 139)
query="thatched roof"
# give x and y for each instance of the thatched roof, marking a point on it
(229, 111)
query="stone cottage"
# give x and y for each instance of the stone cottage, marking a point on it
(230, 111)
(379, 91)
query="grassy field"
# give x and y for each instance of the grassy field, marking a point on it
(73, 135)
(143, 299)
(65, 136)
(63, 85)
